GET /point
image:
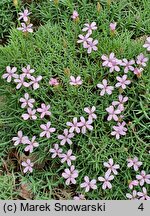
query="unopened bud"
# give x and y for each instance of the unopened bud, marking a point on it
(98, 7)
(67, 71)
(56, 2)
(15, 2)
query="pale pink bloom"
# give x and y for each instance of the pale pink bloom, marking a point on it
(56, 151)
(30, 114)
(122, 81)
(120, 102)
(134, 162)
(108, 59)
(75, 15)
(70, 174)
(74, 126)
(53, 82)
(27, 101)
(27, 71)
(83, 39)
(28, 166)
(138, 71)
(119, 130)
(24, 15)
(11, 72)
(75, 81)
(26, 28)
(47, 130)
(21, 82)
(20, 139)
(35, 81)
(68, 157)
(143, 195)
(91, 111)
(66, 138)
(141, 60)
(132, 196)
(105, 88)
(106, 181)
(113, 65)
(112, 113)
(31, 144)
(79, 197)
(133, 183)
(113, 26)
(91, 45)
(128, 65)
(44, 110)
(143, 178)
(89, 27)
(147, 44)
(88, 184)
(111, 166)
(85, 124)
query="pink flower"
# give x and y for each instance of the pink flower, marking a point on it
(35, 82)
(44, 110)
(132, 196)
(80, 197)
(138, 71)
(28, 166)
(24, 15)
(111, 166)
(143, 195)
(83, 39)
(133, 183)
(47, 130)
(20, 139)
(31, 144)
(113, 26)
(74, 126)
(53, 82)
(105, 88)
(112, 113)
(26, 28)
(27, 101)
(85, 124)
(107, 60)
(11, 72)
(56, 151)
(75, 81)
(143, 178)
(128, 65)
(141, 60)
(106, 181)
(70, 175)
(89, 27)
(30, 114)
(75, 15)
(21, 82)
(88, 184)
(91, 45)
(91, 111)
(147, 44)
(134, 162)
(119, 130)
(120, 102)
(122, 82)
(27, 71)
(68, 157)
(66, 138)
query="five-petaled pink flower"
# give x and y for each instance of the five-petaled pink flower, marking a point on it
(66, 138)
(70, 175)
(53, 82)
(111, 166)
(85, 124)
(133, 183)
(132, 196)
(112, 113)
(35, 81)
(147, 44)
(24, 15)
(26, 28)
(91, 45)
(31, 144)
(21, 82)
(141, 60)
(27, 71)
(74, 126)
(68, 157)
(107, 60)
(143, 195)
(75, 81)
(56, 151)
(30, 114)
(83, 39)
(120, 102)
(105, 88)
(119, 130)
(11, 72)
(143, 178)
(89, 27)
(88, 184)
(113, 26)
(134, 162)
(44, 110)
(20, 139)
(28, 166)
(75, 15)
(27, 101)
(79, 197)
(128, 65)
(122, 81)
(91, 111)
(106, 181)
(47, 130)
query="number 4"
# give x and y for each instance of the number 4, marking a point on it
(141, 207)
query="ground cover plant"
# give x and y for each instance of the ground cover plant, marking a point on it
(74, 101)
